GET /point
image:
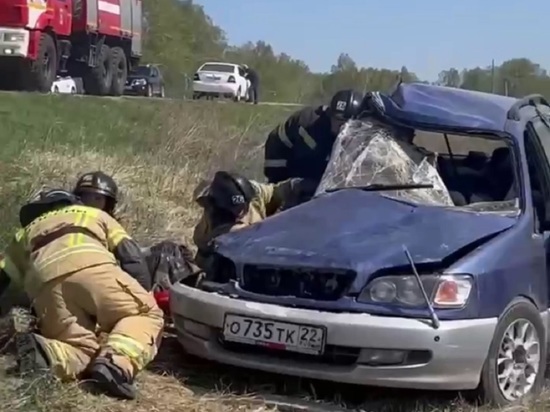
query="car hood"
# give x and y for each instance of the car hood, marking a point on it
(360, 231)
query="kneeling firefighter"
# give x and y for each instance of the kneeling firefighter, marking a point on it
(99, 190)
(65, 257)
(167, 261)
(231, 202)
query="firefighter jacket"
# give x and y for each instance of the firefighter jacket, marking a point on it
(269, 199)
(68, 240)
(299, 147)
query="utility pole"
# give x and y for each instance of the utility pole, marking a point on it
(493, 76)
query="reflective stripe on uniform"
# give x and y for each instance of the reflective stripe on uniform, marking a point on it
(115, 237)
(82, 221)
(132, 349)
(275, 163)
(59, 355)
(283, 136)
(19, 235)
(11, 269)
(307, 138)
(64, 253)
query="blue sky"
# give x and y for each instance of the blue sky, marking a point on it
(425, 35)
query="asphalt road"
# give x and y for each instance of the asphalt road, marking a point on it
(221, 101)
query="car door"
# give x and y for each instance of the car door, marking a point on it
(537, 151)
(155, 80)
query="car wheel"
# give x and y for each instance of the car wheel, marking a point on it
(516, 363)
(56, 89)
(162, 94)
(73, 90)
(149, 91)
(237, 97)
(196, 96)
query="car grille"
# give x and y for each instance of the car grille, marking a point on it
(300, 283)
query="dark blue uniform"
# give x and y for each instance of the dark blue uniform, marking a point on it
(300, 147)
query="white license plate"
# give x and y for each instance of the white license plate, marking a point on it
(128, 87)
(287, 336)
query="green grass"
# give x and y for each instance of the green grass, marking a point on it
(152, 147)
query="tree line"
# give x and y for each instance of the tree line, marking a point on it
(180, 36)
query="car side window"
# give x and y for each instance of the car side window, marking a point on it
(154, 72)
(241, 72)
(543, 134)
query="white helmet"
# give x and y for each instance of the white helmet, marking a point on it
(245, 66)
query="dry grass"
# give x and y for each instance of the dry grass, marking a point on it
(159, 152)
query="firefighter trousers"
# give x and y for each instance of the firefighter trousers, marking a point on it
(70, 308)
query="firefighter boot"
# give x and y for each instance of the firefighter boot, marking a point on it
(111, 378)
(31, 355)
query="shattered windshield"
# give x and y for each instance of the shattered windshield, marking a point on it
(367, 154)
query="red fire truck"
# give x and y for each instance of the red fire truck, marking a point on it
(97, 40)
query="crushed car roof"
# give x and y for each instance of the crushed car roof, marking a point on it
(437, 106)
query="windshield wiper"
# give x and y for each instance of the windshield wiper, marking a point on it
(380, 187)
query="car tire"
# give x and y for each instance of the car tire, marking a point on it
(237, 97)
(73, 90)
(56, 89)
(520, 314)
(99, 78)
(162, 92)
(149, 91)
(119, 68)
(40, 74)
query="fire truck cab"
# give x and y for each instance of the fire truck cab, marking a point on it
(97, 40)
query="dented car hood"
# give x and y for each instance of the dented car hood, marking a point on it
(360, 231)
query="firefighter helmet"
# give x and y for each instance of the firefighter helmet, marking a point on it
(97, 182)
(231, 192)
(345, 104)
(44, 202)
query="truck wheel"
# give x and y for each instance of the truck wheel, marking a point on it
(99, 78)
(42, 71)
(120, 71)
(516, 363)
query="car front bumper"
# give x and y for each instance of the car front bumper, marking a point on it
(136, 90)
(452, 356)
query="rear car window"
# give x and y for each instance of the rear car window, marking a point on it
(223, 68)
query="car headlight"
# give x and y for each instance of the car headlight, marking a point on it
(139, 82)
(14, 37)
(444, 291)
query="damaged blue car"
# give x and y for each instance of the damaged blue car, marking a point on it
(421, 261)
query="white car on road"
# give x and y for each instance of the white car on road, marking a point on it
(66, 85)
(215, 79)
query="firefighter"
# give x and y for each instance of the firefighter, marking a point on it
(301, 146)
(65, 258)
(231, 202)
(97, 189)
(252, 75)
